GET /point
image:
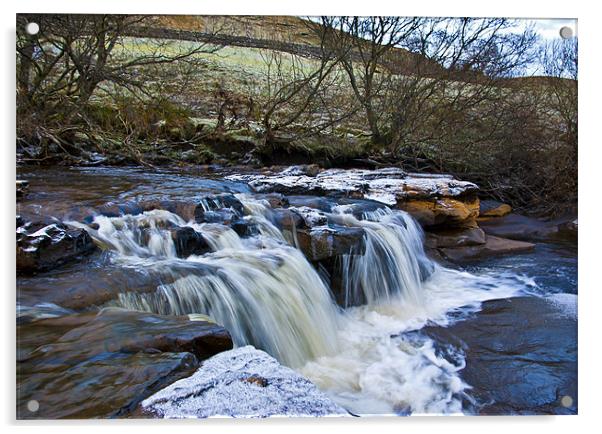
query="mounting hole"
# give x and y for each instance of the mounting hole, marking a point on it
(566, 401)
(33, 405)
(566, 32)
(32, 28)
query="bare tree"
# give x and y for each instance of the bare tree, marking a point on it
(406, 72)
(61, 68)
(300, 92)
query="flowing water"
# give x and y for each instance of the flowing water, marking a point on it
(370, 358)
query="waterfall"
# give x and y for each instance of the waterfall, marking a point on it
(394, 262)
(264, 291)
(271, 298)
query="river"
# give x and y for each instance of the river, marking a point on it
(408, 336)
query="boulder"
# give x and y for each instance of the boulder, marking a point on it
(49, 246)
(124, 355)
(184, 209)
(244, 382)
(310, 217)
(286, 220)
(493, 246)
(276, 200)
(492, 208)
(112, 209)
(443, 212)
(226, 205)
(324, 242)
(189, 242)
(244, 227)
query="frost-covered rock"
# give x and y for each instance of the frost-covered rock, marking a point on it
(244, 382)
(432, 199)
(388, 185)
(42, 246)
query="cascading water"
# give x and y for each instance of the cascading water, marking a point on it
(394, 262)
(266, 293)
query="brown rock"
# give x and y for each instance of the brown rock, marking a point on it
(493, 246)
(455, 238)
(444, 211)
(45, 248)
(326, 242)
(104, 364)
(492, 208)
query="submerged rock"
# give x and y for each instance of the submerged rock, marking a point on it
(41, 247)
(244, 382)
(103, 365)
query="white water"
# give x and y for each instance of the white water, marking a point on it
(267, 294)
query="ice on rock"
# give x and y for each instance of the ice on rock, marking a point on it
(244, 382)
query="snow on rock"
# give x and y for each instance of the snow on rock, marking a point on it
(244, 382)
(387, 185)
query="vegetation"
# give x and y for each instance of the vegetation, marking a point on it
(444, 95)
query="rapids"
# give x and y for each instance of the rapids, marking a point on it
(368, 358)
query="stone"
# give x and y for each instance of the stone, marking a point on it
(434, 199)
(520, 227)
(492, 208)
(493, 246)
(103, 365)
(324, 242)
(387, 185)
(22, 188)
(119, 209)
(521, 354)
(47, 247)
(184, 209)
(244, 227)
(455, 238)
(188, 242)
(286, 220)
(311, 217)
(244, 382)
(442, 212)
(218, 202)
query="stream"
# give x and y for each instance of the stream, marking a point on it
(405, 335)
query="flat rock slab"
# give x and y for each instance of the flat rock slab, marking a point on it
(244, 382)
(432, 199)
(518, 362)
(492, 246)
(520, 227)
(388, 185)
(103, 365)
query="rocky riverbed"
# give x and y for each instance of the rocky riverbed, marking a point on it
(135, 278)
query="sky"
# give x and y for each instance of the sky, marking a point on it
(549, 29)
